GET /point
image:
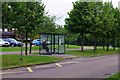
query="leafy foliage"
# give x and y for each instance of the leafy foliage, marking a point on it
(95, 18)
(23, 16)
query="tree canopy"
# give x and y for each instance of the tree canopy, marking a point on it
(95, 18)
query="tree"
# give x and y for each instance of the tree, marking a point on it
(0, 13)
(23, 16)
(46, 26)
(79, 19)
(109, 22)
(70, 38)
(7, 16)
(96, 25)
(87, 18)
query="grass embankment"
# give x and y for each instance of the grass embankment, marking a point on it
(114, 77)
(90, 53)
(10, 61)
(15, 49)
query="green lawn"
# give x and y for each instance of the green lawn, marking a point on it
(10, 61)
(90, 53)
(75, 46)
(15, 49)
(72, 46)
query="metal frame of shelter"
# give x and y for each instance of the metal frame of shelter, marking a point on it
(56, 43)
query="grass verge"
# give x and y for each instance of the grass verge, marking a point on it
(72, 46)
(90, 53)
(15, 49)
(11, 61)
(117, 75)
(114, 77)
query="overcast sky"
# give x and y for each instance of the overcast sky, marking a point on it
(61, 7)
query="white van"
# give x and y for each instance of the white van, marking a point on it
(4, 43)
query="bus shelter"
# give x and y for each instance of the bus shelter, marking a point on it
(55, 43)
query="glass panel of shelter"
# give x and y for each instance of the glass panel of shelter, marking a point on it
(61, 44)
(55, 42)
(48, 38)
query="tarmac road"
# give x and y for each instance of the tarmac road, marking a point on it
(96, 67)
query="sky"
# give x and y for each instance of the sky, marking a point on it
(60, 8)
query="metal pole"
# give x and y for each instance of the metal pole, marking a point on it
(58, 44)
(51, 44)
(54, 44)
(64, 43)
(39, 45)
(21, 48)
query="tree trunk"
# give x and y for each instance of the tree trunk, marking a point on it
(113, 44)
(107, 44)
(95, 46)
(103, 43)
(30, 45)
(3, 29)
(26, 41)
(82, 42)
(21, 46)
(68, 43)
(8, 30)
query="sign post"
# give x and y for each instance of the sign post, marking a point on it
(21, 47)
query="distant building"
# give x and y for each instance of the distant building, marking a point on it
(5, 33)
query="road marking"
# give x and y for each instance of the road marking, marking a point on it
(42, 66)
(58, 65)
(69, 62)
(11, 72)
(29, 69)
